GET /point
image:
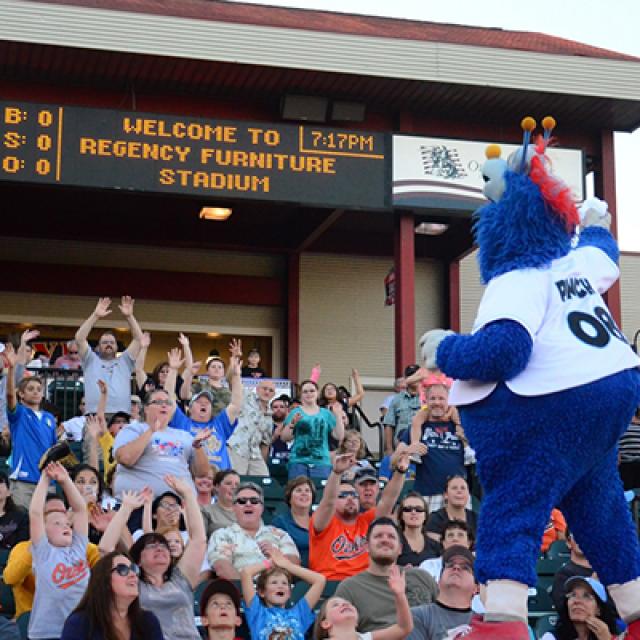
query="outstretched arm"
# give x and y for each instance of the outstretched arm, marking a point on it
(126, 308)
(101, 311)
(237, 391)
(404, 619)
(594, 225)
(141, 374)
(499, 351)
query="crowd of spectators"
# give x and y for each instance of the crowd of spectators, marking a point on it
(176, 522)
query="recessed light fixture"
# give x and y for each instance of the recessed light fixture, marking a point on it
(215, 213)
(431, 228)
(213, 334)
(122, 329)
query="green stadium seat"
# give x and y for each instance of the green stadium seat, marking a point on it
(545, 624)
(560, 550)
(540, 603)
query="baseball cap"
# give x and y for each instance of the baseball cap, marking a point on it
(199, 394)
(365, 475)
(410, 370)
(592, 583)
(457, 551)
(219, 585)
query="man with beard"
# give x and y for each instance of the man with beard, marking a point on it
(444, 458)
(369, 591)
(104, 363)
(338, 530)
(282, 436)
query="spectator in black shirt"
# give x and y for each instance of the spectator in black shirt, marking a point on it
(14, 520)
(412, 521)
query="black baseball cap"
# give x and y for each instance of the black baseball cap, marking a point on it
(410, 370)
(219, 585)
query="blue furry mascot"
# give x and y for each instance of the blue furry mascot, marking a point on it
(545, 384)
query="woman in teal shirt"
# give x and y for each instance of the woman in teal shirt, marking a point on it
(309, 454)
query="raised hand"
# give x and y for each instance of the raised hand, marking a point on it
(100, 518)
(57, 472)
(397, 582)
(102, 385)
(133, 499)
(28, 335)
(126, 306)
(343, 462)
(201, 436)
(234, 366)
(180, 486)
(418, 447)
(183, 340)
(145, 341)
(93, 426)
(10, 355)
(175, 358)
(235, 348)
(278, 558)
(156, 426)
(102, 308)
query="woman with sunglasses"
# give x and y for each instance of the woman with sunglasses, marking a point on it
(110, 608)
(585, 614)
(166, 588)
(412, 520)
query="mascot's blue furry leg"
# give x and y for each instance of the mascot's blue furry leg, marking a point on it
(534, 451)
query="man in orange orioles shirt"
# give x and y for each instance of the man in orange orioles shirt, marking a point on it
(338, 530)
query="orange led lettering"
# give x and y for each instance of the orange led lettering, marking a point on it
(12, 115)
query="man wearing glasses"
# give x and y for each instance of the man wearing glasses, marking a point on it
(250, 442)
(71, 359)
(249, 540)
(449, 616)
(338, 530)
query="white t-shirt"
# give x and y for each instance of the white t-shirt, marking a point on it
(74, 427)
(575, 339)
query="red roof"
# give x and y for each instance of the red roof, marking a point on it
(348, 23)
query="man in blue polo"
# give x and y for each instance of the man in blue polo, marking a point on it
(33, 431)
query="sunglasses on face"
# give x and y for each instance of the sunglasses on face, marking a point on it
(243, 501)
(159, 403)
(409, 509)
(347, 494)
(125, 569)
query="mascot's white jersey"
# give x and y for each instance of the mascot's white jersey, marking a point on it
(575, 339)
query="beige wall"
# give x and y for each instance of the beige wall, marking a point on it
(471, 292)
(630, 293)
(343, 320)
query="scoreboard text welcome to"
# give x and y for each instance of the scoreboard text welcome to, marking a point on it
(170, 154)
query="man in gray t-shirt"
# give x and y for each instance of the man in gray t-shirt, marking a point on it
(451, 613)
(369, 591)
(104, 364)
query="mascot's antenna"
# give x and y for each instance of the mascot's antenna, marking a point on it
(528, 124)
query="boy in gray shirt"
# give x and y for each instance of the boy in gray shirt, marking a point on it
(59, 555)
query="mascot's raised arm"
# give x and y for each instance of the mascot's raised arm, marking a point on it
(545, 385)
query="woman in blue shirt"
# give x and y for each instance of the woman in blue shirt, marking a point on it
(299, 494)
(313, 424)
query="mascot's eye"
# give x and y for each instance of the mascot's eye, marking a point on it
(485, 178)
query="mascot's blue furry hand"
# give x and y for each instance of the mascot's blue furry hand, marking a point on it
(499, 351)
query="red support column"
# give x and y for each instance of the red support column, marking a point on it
(605, 188)
(405, 307)
(293, 317)
(454, 295)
